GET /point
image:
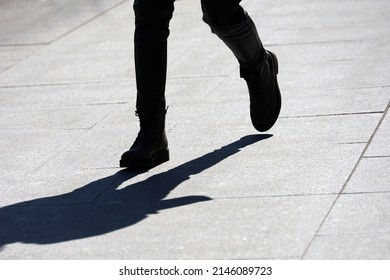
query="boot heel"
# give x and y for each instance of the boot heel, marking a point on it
(161, 157)
(275, 61)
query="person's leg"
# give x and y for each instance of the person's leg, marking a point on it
(228, 20)
(152, 19)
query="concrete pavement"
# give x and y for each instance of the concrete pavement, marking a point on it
(316, 186)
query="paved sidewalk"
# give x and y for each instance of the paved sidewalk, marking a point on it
(316, 186)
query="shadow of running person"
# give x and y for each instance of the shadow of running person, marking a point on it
(66, 217)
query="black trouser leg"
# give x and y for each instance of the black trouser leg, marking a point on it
(152, 19)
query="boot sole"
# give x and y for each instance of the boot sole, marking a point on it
(278, 95)
(157, 159)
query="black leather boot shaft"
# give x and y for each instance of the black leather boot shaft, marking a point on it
(243, 40)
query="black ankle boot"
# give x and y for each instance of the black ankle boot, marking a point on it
(258, 67)
(151, 145)
(264, 93)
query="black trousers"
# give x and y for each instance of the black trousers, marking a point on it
(227, 20)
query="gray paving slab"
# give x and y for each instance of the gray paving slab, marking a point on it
(358, 214)
(332, 129)
(358, 220)
(350, 247)
(10, 56)
(248, 230)
(49, 97)
(182, 90)
(36, 188)
(372, 175)
(67, 101)
(309, 102)
(25, 150)
(350, 74)
(298, 102)
(330, 51)
(63, 118)
(207, 59)
(46, 20)
(380, 144)
(326, 166)
(90, 51)
(316, 22)
(251, 172)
